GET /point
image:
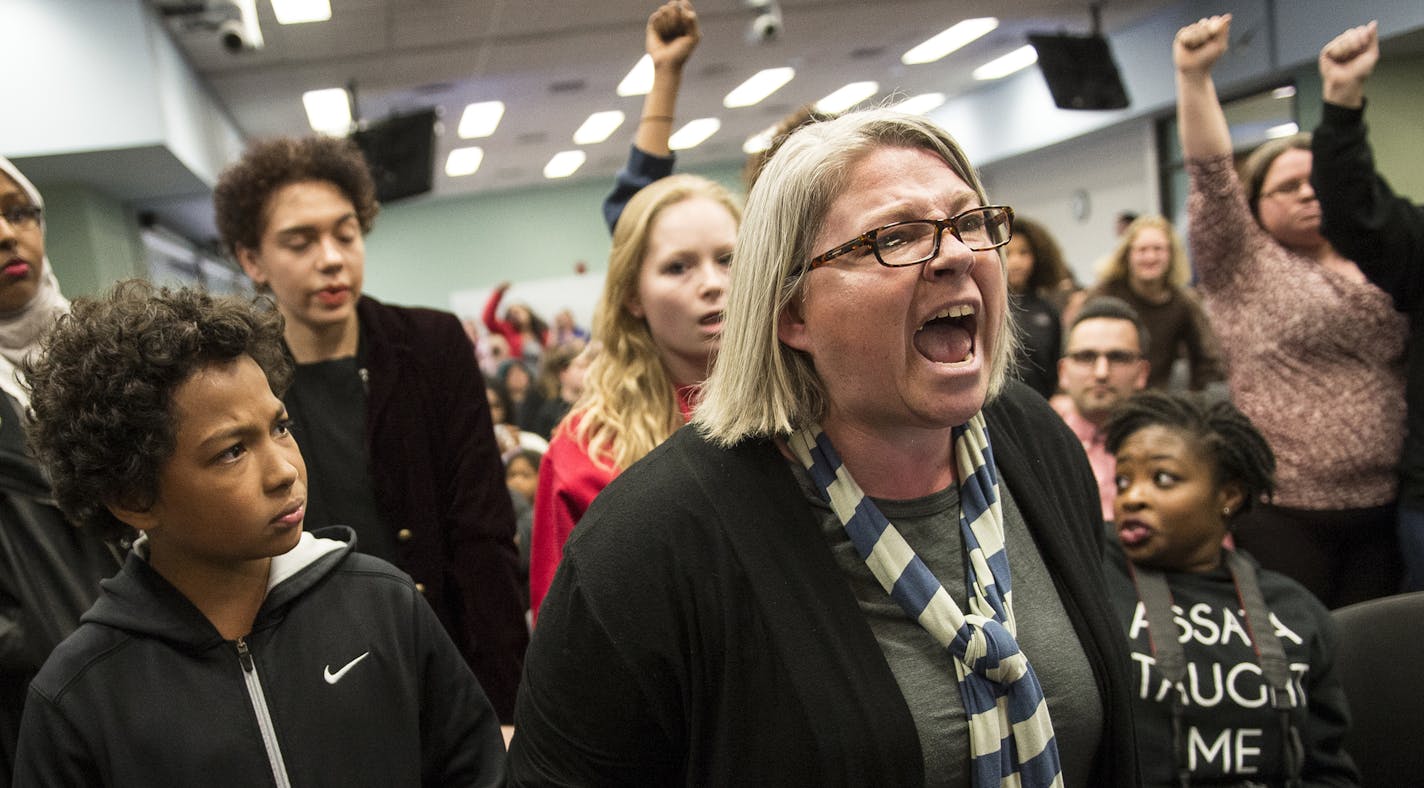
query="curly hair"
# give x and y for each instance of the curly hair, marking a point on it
(629, 404)
(1236, 449)
(1116, 268)
(240, 197)
(102, 388)
(1049, 269)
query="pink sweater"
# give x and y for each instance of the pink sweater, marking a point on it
(1315, 359)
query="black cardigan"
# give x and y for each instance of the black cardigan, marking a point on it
(699, 630)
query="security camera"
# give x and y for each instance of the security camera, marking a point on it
(234, 37)
(765, 28)
(240, 31)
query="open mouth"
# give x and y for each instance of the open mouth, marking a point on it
(1133, 533)
(714, 319)
(948, 337)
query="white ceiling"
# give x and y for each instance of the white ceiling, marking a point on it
(553, 62)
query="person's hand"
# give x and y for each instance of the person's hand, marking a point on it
(672, 34)
(1346, 62)
(1199, 45)
(501, 287)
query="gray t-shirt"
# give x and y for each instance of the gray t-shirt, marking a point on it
(925, 671)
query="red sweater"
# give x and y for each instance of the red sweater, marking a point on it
(505, 328)
(569, 480)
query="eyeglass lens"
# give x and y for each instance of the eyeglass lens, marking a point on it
(913, 242)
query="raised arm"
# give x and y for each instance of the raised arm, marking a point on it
(1360, 214)
(1346, 62)
(1201, 123)
(669, 39)
(491, 312)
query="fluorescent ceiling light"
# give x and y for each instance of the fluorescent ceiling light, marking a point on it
(1283, 130)
(328, 111)
(464, 161)
(759, 141)
(639, 80)
(1001, 67)
(564, 164)
(847, 97)
(295, 12)
(1283, 93)
(598, 127)
(694, 133)
(480, 119)
(762, 84)
(949, 40)
(919, 105)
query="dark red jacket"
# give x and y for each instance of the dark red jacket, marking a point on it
(439, 481)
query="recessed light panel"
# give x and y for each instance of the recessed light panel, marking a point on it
(949, 40)
(564, 164)
(762, 84)
(480, 119)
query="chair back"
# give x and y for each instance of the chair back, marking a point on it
(1380, 662)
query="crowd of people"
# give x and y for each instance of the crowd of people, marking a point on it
(890, 500)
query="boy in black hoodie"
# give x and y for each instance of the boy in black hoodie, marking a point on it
(233, 649)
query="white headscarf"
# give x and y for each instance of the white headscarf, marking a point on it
(20, 329)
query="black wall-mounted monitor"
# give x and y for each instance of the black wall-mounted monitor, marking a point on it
(400, 150)
(1080, 71)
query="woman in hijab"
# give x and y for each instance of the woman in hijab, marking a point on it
(49, 570)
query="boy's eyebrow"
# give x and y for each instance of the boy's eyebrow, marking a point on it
(240, 429)
(310, 228)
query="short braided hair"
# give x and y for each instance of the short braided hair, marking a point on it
(1237, 450)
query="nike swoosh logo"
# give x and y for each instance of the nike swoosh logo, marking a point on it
(332, 678)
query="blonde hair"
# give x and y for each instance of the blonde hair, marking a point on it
(759, 386)
(629, 404)
(1116, 269)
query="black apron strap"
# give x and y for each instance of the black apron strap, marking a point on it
(1166, 650)
(1272, 657)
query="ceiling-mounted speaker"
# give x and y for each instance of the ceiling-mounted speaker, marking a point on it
(1080, 71)
(400, 151)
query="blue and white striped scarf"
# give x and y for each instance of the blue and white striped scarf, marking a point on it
(1010, 734)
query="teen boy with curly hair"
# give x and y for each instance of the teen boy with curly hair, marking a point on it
(389, 402)
(233, 648)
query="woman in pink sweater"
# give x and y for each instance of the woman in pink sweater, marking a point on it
(1315, 352)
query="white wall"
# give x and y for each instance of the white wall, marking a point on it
(1111, 171)
(85, 79)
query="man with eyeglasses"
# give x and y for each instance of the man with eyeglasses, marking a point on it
(1102, 365)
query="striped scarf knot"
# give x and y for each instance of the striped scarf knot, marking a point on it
(1011, 739)
(989, 650)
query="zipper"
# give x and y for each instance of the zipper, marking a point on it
(264, 715)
